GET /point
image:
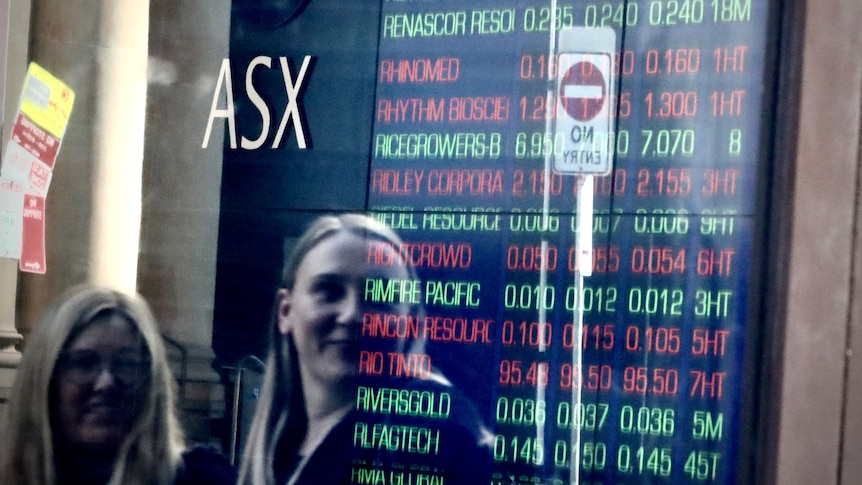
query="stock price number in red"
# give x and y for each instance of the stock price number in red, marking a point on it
(671, 104)
(536, 182)
(606, 259)
(540, 66)
(542, 107)
(662, 340)
(597, 337)
(547, 67)
(517, 373)
(539, 108)
(531, 257)
(597, 378)
(673, 61)
(658, 261)
(664, 181)
(612, 184)
(659, 382)
(532, 334)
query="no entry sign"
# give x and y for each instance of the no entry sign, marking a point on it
(583, 91)
(585, 101)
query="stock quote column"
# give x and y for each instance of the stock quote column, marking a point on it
(458, 169)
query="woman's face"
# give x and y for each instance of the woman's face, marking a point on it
(99, 384)
(323, 311)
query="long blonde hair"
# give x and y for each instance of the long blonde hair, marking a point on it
(151, 452)
(280, 404)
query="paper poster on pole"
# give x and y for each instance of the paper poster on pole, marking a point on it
(28, 167)
(47, 101)
(11, 215)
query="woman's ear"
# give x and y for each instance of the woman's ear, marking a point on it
(282, 310)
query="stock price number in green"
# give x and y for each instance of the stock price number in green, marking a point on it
(584, 416)
(661, 221)
(521, 411)
(593, 456)
(647, 421)
(641, 460)
(656, 301)
(519, 450)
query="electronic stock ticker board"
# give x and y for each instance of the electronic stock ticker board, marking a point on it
(640, 373)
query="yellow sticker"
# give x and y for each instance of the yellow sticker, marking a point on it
(46, 100)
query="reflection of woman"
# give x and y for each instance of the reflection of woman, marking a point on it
(93, 403)
(311, 425)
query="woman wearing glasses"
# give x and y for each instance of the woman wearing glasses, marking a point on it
(93, 402)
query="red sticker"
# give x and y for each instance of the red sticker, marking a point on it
(35, 140)
(33, 235)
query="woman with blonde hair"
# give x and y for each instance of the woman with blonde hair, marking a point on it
(93, 401)
(317, 421)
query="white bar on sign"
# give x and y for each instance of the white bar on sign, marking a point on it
(583, 91)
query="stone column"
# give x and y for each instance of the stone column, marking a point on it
(99, 49)
(120, 106)
(181, 188)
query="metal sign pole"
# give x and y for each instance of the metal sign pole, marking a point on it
(546, 219)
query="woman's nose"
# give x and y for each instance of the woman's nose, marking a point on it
(105, 379)
(350, 310)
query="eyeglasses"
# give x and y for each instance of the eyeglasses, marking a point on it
(84, 366)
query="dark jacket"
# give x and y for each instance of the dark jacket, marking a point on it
(203, 465)
(386, 441)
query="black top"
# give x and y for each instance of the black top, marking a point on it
(379, 444)
(203, 465)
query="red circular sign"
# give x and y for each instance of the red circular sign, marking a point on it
(582, 91)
